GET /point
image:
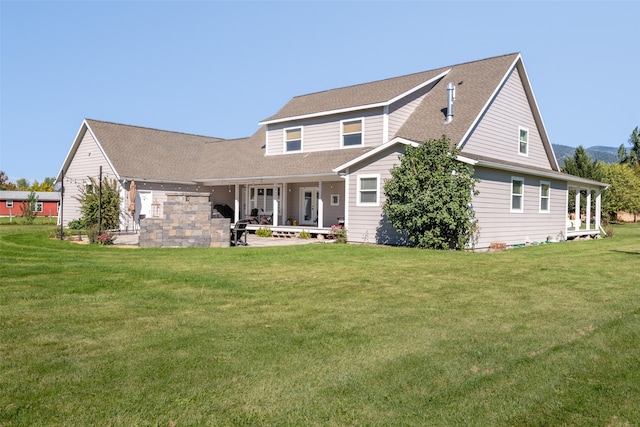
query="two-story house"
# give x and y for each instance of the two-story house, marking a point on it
(323, 158)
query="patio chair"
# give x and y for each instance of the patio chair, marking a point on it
(253, 217)
(238, 231)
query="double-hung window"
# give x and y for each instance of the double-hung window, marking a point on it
(523, 142)
(517, 194)
(368, 190)
(351, 132)
(544, 196)
(293, 139)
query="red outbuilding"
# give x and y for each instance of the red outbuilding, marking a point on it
(11, 203)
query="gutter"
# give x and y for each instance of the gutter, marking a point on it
(262, 179)
(526, 171)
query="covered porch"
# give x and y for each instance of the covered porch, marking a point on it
(586, 217)
(285, 206)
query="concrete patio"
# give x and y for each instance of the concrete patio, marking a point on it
(131, 239)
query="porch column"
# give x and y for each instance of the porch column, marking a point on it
(236, 203)
(577, 211)
(274, 215)
(284, 201)
(320, 206)
(598, 208)
(587, 210)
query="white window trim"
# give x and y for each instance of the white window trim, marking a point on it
(342, 132)
(548, 197)
(9, 204)
(284, 139)
(39, 207)
(253, 202)
(335, 200)
(358, 180)
(511, 209)
(526, 153)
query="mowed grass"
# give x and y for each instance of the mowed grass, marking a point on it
(318, 334)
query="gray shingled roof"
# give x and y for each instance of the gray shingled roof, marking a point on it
(43, 196)
(475, 83)
(152, 154)
(353, 96)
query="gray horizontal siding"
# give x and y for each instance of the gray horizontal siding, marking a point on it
(400, 110)
(321, 134)
(493, 210)
(366, 224)
(86, 163)
(497, 135)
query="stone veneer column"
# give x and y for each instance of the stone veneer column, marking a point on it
(187, 222)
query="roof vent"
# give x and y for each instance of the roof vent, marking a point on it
(451, 96)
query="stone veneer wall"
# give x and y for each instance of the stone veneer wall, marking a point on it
(187, 222)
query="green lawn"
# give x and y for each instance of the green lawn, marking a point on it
(318, 334)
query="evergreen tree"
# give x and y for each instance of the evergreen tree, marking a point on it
(581, 165)
(429, 196)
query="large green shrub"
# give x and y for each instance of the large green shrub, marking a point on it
(429, 196)
(109, 204)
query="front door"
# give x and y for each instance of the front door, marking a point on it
(145, 204)
(308, 206)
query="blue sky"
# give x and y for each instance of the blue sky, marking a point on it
(218, 68)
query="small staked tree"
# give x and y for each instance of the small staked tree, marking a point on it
(28, 208)
(429, 194)
(109, 205)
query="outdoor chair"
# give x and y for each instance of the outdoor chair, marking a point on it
(253, 217)
(239, 231)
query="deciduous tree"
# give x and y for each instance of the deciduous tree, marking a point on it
(5, 184)
(428, 196)
(623, 193)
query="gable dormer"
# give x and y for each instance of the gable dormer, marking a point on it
(361, 116)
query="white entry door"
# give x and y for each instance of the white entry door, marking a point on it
(308, 206)
(145, 204)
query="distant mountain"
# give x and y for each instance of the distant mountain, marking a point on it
(598, 152)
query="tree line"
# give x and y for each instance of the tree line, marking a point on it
(623, 193)
(23, 184)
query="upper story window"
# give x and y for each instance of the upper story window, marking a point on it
(351, 132)
(523, 143)
(544, 196)
(9, 203)
(293, 140)
(368, 190)
(517, 194)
